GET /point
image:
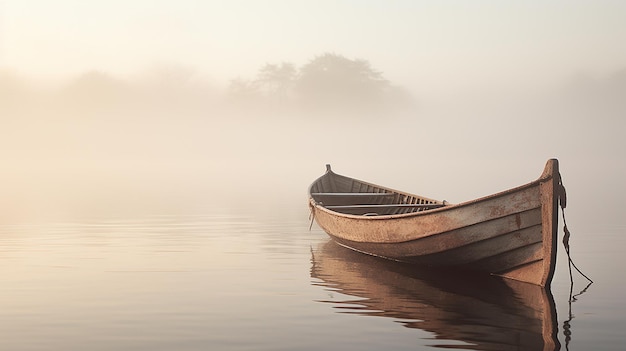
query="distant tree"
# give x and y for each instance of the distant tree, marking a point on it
(329, 81)
(334, 79)
(243, 90)
(277, 80)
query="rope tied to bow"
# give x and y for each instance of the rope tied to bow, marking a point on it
(567, 327)
(562, 194)
(311, 215)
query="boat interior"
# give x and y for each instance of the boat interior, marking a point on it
(351, 196)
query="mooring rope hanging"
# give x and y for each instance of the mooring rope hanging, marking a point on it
(311, 216)
(566, 324)
(572, 298)
(566, 236)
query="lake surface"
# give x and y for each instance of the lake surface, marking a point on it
(257, 278)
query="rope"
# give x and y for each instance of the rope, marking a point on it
(572, 298)
(567, 327)
(567, 235)
(311, 216)
(567, 249)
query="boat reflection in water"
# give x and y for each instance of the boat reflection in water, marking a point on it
(486, 312)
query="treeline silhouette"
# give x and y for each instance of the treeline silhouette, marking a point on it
(328, 83)
(328, 86)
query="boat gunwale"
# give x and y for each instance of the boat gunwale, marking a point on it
(546, 176)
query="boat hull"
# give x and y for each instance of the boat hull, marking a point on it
(511, 233)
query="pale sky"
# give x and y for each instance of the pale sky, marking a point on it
(428, 46)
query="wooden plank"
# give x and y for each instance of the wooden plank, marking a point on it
(346, 207)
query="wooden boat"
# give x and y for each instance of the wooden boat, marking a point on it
(478, 310)
(511, 234)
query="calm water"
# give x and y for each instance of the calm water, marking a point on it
(242, 279)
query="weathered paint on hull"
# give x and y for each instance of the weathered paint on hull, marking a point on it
(512, 233)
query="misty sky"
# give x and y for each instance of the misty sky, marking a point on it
(430, 47)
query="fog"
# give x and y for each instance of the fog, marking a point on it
(458, 105)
